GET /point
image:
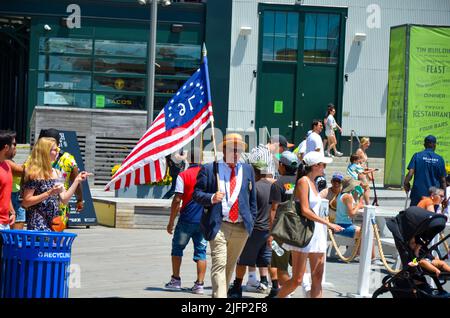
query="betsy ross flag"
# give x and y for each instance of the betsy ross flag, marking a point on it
(186, 114)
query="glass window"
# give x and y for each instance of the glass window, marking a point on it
(121, 48)
(175, 59)
(64, 63)
(61, 98)
(280, 36)
(168, 86)
(64, 81)
(123, 101)
(292, 36)
(321, 43)
(65, 45)
(268, 35)
(113, 74)
(159, 103)
(126, 66)
(115, 83)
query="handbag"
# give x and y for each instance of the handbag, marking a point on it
(290, 227)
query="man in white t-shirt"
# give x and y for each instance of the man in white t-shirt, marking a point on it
(314, 141)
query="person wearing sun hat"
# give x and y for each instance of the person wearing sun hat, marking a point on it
(227, 191)
(349, 202)
(308, 204)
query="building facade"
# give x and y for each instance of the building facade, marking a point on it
(273, 64)
(301, 55)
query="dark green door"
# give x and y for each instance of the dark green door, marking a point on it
(277, 104)
(300, 66)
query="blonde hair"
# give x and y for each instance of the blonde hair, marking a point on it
(364, 140)
(39, 165)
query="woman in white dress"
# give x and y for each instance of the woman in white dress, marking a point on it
(309, 199)
(330, 126)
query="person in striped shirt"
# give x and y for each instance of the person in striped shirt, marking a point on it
(266, 153)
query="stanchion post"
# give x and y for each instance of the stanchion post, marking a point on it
(365, 258)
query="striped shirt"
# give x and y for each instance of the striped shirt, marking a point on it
(262, 153)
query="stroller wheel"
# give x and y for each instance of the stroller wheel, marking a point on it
(379, 291)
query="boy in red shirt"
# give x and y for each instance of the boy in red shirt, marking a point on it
(7, 213)
(188, 226)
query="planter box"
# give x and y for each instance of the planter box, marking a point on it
(143, 192)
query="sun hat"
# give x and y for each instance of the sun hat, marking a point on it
(349, 184)
(313, 157)
(233, 141)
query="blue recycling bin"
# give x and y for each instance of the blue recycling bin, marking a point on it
(35, 264)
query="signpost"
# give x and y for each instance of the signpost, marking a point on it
(418, 102)
(87, 216)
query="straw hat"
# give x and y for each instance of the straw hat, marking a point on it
(233, 140)
(349, 184)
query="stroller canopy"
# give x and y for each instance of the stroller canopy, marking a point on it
(416, 222)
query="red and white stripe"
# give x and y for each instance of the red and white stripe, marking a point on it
(146, 162)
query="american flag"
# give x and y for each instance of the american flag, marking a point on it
(185, 115)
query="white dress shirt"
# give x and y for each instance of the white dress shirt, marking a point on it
(224, 186)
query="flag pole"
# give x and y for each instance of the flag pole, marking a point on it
(204, 53)
(201, 147)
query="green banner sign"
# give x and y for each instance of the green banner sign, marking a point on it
(395, 107)
(429, 90)
(418, 88)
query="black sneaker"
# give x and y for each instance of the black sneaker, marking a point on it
(273, 293)
(235, 292)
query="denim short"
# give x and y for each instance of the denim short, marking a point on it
(183, 233)
(256, 252)
(20, 212)
(349, 230)
(4, 227)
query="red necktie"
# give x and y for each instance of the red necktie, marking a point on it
(234, 211)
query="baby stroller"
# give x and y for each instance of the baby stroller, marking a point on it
(411, 281)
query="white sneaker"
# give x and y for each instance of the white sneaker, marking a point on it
(197, 289)
(339, 154)
(262, 289)
(377, 262)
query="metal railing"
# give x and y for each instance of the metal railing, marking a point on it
(352, 135)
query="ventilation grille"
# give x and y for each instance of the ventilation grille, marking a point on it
(110, 151)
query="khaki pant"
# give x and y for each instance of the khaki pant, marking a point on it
(225, 250)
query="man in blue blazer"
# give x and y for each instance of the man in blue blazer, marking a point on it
(230, 209)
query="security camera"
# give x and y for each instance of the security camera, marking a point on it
(142, 2)
(166, 3)
(47, 27)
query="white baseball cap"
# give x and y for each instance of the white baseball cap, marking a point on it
(313, 157)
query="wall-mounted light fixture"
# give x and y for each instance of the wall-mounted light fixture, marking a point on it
(360, 37)
(176, 28)
(245, 30)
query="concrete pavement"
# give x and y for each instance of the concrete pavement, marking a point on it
(136, 263)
